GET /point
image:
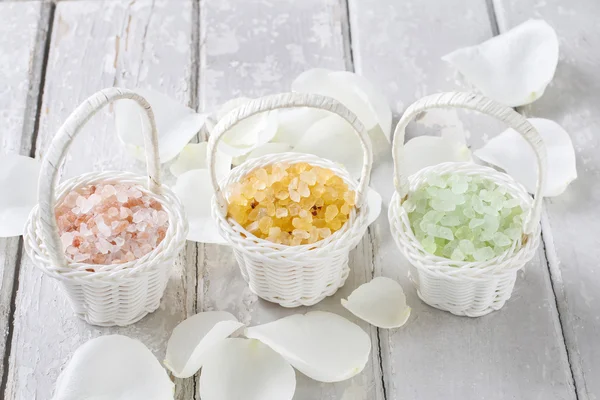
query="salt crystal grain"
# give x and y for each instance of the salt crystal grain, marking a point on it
(261, 175)
(163, 217)
(309, 177)
(95, 199)
(71, 199)
(96, 229)
(66, 239)
(123, 213)
(303, 189)
(103, 229)
(464, 218)
(136, 194)
(122, 197)
(324, 232)
(137, 251)
(86, 207)
(103, 246)
(253, 226)
(83, 229)
(80, 257)
(107, 191)
(154, 216)
(294, 195)
(301, 233)
(138, 216)
(511, 203)
(72, 250)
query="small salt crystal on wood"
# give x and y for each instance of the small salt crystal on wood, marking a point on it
(110, 224)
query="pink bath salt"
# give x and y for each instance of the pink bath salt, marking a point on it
(110, 223)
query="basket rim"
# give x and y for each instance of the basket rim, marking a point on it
(397, 212)
(175, 235)
(356, 220)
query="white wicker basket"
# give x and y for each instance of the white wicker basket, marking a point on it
(292, 275)
(465, 288)
(104, 295)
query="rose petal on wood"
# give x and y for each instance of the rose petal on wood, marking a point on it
(321, 345)
(381, 302)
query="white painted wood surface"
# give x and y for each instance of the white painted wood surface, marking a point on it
(517, 352)
(95, 45)
(572, 226)
(18, 33)
(205, 52)
(252, 51)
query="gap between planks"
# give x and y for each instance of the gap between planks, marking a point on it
(31, 123)
(194, 104)
(346, 27)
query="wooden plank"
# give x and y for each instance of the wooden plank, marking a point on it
(515, 353)
(96, 44)
(253, 48)
(572, 226)
(19, 44)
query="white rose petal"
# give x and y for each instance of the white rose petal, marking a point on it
(321, 345)
(18, 181)
(381, 303)
(294, 122)
(246, 369)
(176, 124)
(374, 202)
(247, 134)
(333, 138)
(193, 338)
(352, 90)
(194, 156)
(269, 148)
(114, 367)
(195, 192)
(513, 68)
(512, 153)
(424, 151)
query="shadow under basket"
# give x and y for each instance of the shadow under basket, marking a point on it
(104, 295)
(301, 275)
(466, 288)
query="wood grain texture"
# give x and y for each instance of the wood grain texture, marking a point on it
(252, 48)
(572, 228)
(19, 29)
(94, 45)
(517, 352)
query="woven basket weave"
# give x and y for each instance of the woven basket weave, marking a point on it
(104, 295)
(465, 288)
(292, 275)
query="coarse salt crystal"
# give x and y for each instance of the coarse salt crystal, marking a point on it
(66, 239)
(291, 207)
(97, 226)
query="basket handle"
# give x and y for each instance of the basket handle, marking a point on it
(484, 105)
(290, 100)
(57, 152)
